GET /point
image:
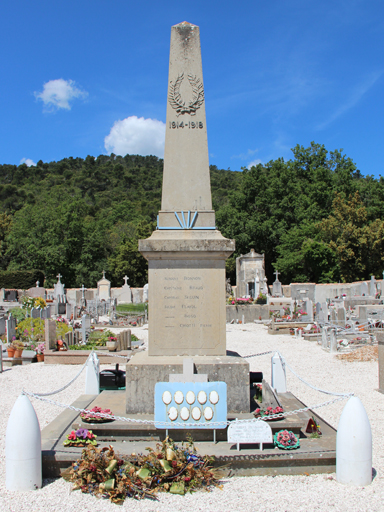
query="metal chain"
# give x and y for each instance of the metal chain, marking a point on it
(260, 354)
(221, 424)
(284, 363)
(66, 386)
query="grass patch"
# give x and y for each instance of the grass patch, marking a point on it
(131, 308)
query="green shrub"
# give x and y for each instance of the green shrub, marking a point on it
(20, 279)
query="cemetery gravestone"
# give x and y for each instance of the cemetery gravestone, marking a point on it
(372, 287)
(50, 334)
(309, 310)
(11, 295)
(36, 291)
(324, 307)
(277, 290)
(364, 288)
(11, 328)
(333, 341)
(186, 254)
(35, 313)
(324, 338)
(125, 295)
(341, 316)
(104, 288)
(2, 325)
(59, 292)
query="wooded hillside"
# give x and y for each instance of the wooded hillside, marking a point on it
(316, 217)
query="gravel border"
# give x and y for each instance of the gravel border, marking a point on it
(280, 493)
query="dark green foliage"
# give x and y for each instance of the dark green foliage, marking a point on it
(20, 279)
(82, 216)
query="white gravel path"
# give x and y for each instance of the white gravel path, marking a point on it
(280, 493)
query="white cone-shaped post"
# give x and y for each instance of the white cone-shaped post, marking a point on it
(92, 375)
(354, 445)
(23, 448)
(279, 381)
(333, 341)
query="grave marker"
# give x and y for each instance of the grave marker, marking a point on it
(253, 432)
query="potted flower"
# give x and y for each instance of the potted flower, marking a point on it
(19, 347)
(112, 343)
(11, 348)
(40, 352)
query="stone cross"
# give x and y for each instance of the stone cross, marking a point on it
(58, 276)
(277, 275)
(126, 278)
(103, 274)
(188, 374)
(82, 291)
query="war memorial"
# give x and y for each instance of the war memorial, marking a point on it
(187, 382)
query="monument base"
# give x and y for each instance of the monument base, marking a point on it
(144, 371)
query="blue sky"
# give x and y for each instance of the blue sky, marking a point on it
(276, 74)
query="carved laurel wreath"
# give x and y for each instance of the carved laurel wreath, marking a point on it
(176, 100)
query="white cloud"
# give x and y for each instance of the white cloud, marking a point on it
(27, 161)
(136, 135)
(245, 156)
(59, 93)
(254, 163)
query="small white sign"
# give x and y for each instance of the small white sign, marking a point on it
(251, 432)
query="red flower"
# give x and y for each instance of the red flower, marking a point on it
(72, 436)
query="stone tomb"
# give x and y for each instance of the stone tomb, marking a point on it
(186, 254)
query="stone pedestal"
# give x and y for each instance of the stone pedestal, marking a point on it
(186, 271)
(144, 371)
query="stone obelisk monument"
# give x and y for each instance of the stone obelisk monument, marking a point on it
(186, 254)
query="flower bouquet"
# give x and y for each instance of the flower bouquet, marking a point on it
(269, 411)
(91, 415)
(81, 437)
(167, 468)
(286, 440)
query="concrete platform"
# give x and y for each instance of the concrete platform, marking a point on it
(144, 371)
(313, 456)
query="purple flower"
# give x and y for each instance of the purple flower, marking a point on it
(82, 433)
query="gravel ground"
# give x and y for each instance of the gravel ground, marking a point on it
(280, 493)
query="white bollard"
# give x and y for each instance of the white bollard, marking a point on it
(295, 329)
(279, 381)
(333, 341)
(354, 445)
(23, 448)
(92, 375)
(243, 319)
